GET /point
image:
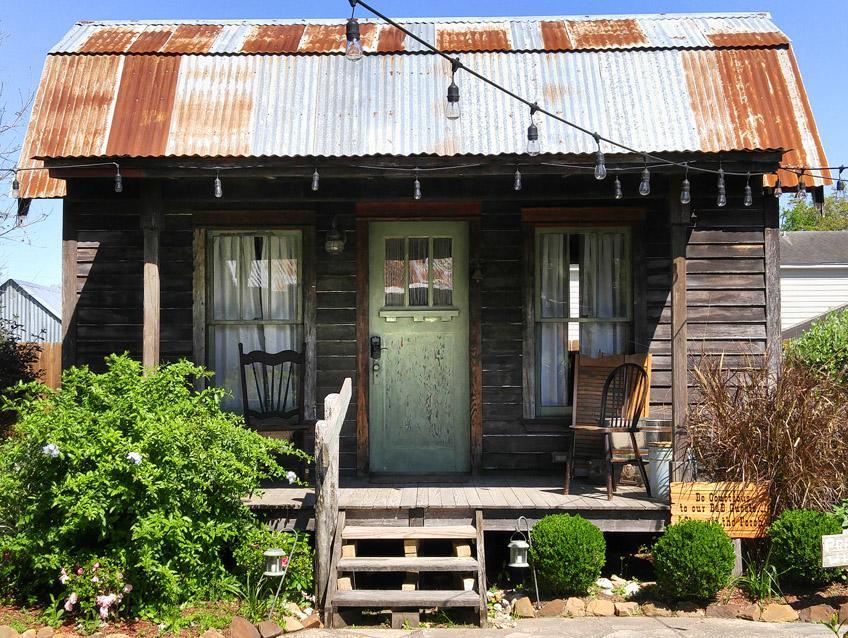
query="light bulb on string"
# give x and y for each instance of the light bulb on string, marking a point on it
(353, 48)
(645, 182)
(600, 168)
(801, 193)
(416, 187)
(15, 193)
(533, 146)
(748, 200)
(616, 188)
(218, 189)
(721, 189)
(516, 183)
(452, 110)
(778, 189)
(840, 185)
(119, 180)
(686, 188)
(316, 179)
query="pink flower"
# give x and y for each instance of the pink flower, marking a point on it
(105, 600)
(127, 588)
(95, 579)
(80, 571)
(63, 576)
(71, 601)
(104, 613)
(95, 567)
(284, 561)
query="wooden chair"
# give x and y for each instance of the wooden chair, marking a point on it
(623, 401)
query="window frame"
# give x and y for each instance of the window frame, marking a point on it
(431, 305)
(538, 320)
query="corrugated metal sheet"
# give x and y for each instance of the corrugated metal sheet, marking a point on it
(38, 320)
(665, 99)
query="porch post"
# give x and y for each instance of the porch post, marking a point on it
(151, 221)
(771, 239)
(679, 217)
(69, 287)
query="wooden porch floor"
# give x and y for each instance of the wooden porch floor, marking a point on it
(502, 500)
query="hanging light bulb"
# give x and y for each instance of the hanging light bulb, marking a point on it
(533, 146)
(452, 110)
(802, 187)
(316, 179)
(15, 193)
(721, 197)
(778, 189)
(119, 180)
(600, 168)
(516, 184)
(616, 188)
(219, 190)
(840, 185)
(645, 183)
(353, 48)
(748, 200)
(686, 188)
(416, 187)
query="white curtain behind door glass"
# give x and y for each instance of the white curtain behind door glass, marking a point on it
(553, 349)
(602, 295)
(242, 290)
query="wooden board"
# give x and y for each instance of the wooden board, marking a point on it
(405, 598)
(741, 508)
(835, 550)
(409, 564)
(385, 533)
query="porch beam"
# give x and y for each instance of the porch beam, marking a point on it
(772, 267)
(679, 218)
(151, 223)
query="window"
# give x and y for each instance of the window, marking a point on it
(582, 305)
(255, 299)
(418, 272)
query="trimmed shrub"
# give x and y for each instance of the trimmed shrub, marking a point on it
(693, 560)
(824, 347)
(142, 473)
(251, 563)
(796, 546)
(568, 553)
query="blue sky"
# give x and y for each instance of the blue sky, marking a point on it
(817, 29)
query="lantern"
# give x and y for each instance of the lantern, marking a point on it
(275, 563)
(519, 550)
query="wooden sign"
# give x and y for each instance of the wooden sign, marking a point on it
(741, 508)
(835, 550)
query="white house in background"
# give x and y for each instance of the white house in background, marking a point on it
(813, 277)
(36, 309)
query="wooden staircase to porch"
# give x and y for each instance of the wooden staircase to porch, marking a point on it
(407, 562)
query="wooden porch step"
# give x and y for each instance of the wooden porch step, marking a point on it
(413, 598)
(362, 532)
(409, 564)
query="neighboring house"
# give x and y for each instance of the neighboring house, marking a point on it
(36, 310)
(813, 277)
(450, 311)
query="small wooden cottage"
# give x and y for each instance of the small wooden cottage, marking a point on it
(278, 195)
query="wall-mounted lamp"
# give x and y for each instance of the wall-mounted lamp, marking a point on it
(335, 242)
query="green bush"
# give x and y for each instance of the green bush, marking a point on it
(141, 471)
(795, 538)
(251, 563)
(568, 553)
(16, 366)
(824, 347)
(693, 560)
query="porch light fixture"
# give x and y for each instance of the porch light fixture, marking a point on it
(353, 49)
(516, 183)
(616, 188)
(778, 189)
(721, 196)
(749, 196)
(452, 110)
(15, 193)
(645, 183)
(316, 179)
(686, 188)
(23, 211)
(335, 242)
(219, 189)
(416, 187)
(802, 186)
(840, 185)
(533, 146)
(274, 564)
(600, 168)
(119, 180)
(519, 550)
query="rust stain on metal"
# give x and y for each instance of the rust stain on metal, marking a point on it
(748, 39)
(391, 40)
(555, 36)
(605, 34)
(192, 38)
(476, 38)
(274, 38)
(150, 41)
(330, 38)
(110, 40)
(144, 105)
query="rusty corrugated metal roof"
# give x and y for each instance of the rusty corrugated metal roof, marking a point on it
(641, 80)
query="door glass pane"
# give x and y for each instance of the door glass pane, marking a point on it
(393, 270)
(419, 275)
(553, 275)
(442, 272)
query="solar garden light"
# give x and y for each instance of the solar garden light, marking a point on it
(277, 566)
(519, 550)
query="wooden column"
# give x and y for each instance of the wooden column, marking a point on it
(363, 359)
(69, 287)
(199, 297)
(475, 295)
(151, 222)
(679, 218)
(771, 238)
(309, 329)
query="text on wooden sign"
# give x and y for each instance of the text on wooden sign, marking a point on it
(741, 508)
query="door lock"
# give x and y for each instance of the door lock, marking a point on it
(376, 347)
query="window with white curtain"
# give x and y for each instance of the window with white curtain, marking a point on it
(255, 298)
(582, 305)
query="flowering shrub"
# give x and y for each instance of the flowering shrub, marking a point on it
(136, 471)
(94, 590)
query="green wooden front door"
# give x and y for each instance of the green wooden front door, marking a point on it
(418, 307)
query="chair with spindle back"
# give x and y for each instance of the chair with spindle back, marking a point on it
(623, 400)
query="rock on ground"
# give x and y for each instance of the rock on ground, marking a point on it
(523, 608)
(45, 632)
(242, 628)
(312, 621)
(722, 611)
(29, 633)
(686, 608)
(656, 611)
(778, 612)
(575, 607)
(600, 607)
(269, 629)
(817, 613)
(749, 612)
(212, 633)
(626, 609)
(292, 625)
(843, 612)
(8, 632)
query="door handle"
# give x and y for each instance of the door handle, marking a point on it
(376, 347)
